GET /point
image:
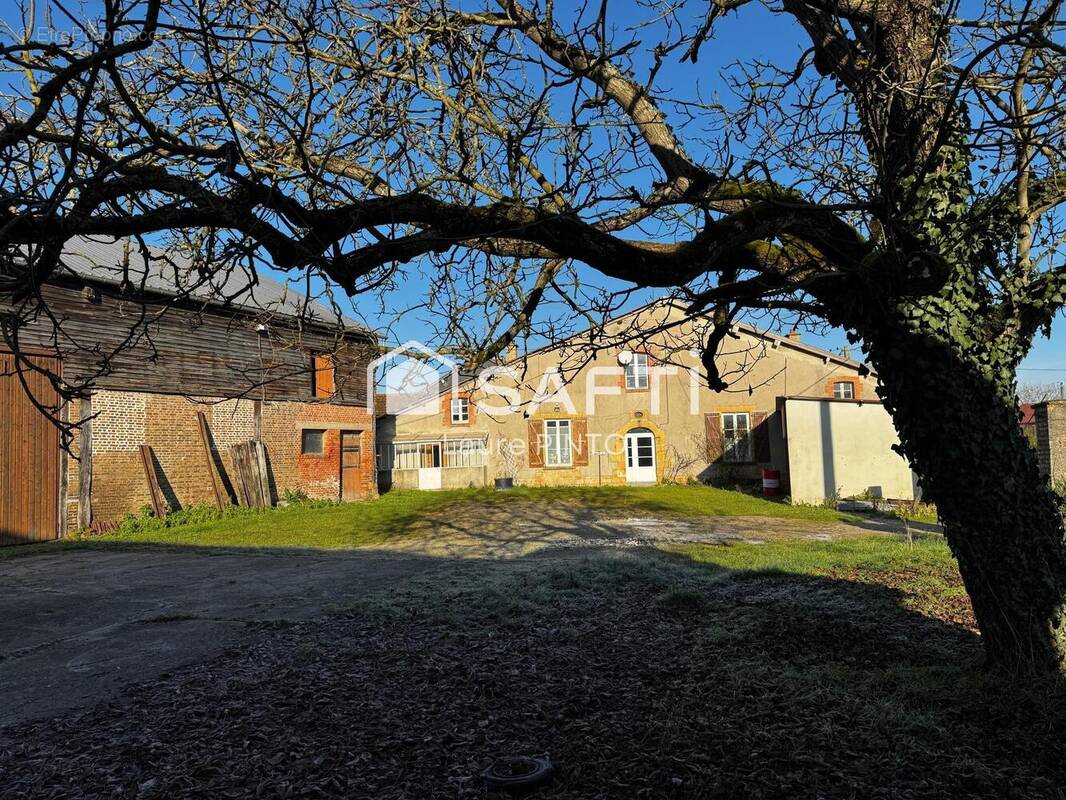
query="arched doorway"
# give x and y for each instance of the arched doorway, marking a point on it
(640, 456)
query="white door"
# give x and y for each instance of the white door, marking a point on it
(429, 466)
(640, 457)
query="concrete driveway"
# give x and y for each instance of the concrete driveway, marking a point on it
(77, 626)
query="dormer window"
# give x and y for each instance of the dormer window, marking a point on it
(844, 390)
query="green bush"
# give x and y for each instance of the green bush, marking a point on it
(295, 497)
(1058, 486)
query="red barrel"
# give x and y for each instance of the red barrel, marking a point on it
(771, 482)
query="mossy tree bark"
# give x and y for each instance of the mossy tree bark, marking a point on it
(958, 425)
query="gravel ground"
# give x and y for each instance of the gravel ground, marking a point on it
(638, 677)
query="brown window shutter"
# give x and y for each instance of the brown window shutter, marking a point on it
(536, 433)
(580, 441)
(712, 424)
(446, 410)
(760, 430)
(324, 383)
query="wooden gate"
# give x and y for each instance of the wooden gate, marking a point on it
(29, 453)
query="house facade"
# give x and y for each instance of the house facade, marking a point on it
(627, 405)
(187, 376)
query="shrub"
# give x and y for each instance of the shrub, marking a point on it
(1058, 486)
(295, 497)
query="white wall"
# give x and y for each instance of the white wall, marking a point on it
(843, 447)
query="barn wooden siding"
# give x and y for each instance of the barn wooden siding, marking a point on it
(190, 350)
(30, 461)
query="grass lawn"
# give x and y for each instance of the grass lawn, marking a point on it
(399, 514)
(844, 669)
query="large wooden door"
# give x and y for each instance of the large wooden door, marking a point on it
(29, 453)
(352, 485)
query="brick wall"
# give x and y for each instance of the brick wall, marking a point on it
(318, 475)
(1051, 438)
(168, 424)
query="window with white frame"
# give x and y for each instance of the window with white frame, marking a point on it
(637, 371)
(736, 438)
(464, 453)
(406, 455)
(460, 410)
(557, 451)
(844, 390)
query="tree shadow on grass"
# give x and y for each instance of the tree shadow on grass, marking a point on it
(641, 675)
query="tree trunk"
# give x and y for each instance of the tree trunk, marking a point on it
(959, 426)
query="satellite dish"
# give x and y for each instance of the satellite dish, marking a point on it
(624, 357)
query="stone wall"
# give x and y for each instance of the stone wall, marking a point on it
(168, 424)
(1051, 438)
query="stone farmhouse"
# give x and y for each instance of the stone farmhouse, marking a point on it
(628, 405)
(158, 345)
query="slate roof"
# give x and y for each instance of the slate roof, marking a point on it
(173, 273)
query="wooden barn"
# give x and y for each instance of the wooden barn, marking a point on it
(197, 388)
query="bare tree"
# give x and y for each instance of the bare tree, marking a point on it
(903, 180)
(1039, 392)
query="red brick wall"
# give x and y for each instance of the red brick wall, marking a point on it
(318, 475)
(168, 424)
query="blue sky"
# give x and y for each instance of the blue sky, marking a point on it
(754, 32)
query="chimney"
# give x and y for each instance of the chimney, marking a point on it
(794, 335)
(511, 353)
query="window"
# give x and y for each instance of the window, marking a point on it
(406, 456)
(637, 371)
(323, 376)
(464, 453)
(460, 411)
(844, 390)
(311, 442)
(736, 438)
(557, 452)
(413, 455)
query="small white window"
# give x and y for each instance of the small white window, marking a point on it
(464, 453)
(557, 452)
(844, 390)
(460, 411)
(736, 438)
(406, 456)
(637, 371)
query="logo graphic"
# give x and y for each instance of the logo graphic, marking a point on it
(412, 378)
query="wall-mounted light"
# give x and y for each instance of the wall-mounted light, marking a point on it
(639, 414)
(262, 329)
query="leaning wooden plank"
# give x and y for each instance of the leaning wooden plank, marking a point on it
(263, 473)
(85, 465)
(237, 454)
(209, 462)
(158, 506)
